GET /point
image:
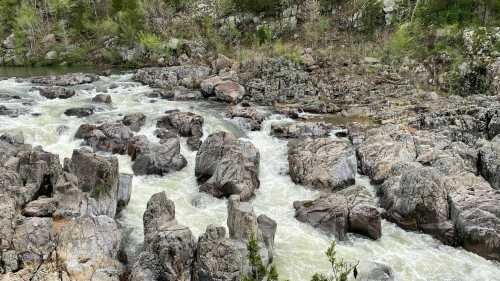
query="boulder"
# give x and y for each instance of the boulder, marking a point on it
(208, 85)
(301, 129)
(170, 77)
(88, 247)
(99, 177)
(56, 92)
(135, 121)
(71, 79)
(489, 162)
(109, 137)
(374, 271)
(79, 111)
(241, 220)
(33, 240)
(42, 207)
(226, 165)
(322, 163)
(156, 158)
(186, 124)
(350, 210)
(71, 201)
(247, 117)
(217, 257)
(102, 98)
(229, 91)
(124, 191)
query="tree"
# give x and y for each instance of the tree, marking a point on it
(340, 268)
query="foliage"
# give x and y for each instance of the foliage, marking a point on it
(340, 268)
(268, 7)
(463, 12)
(258, 269)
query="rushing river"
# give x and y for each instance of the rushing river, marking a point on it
(299, 247)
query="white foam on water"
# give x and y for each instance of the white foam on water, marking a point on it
(299, 247)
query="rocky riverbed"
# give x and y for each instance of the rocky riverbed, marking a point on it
(165, 174)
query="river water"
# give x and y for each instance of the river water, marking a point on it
(299, 247)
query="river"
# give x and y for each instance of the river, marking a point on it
(299, 247)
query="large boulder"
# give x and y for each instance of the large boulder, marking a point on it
(217, 257)
(226, 165)
(98, 176)
(71, 79)
(186, 124)
(229, 91)
(489, 162)
(169, 248)
(135, 121)
(350, 210)
(88, 247)
(301, 129)
(247, 117)
(56, 92)
(108, 137)
(156, 158)
(102, 98)
(322, 163)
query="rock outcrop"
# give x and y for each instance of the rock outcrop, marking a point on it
(322, 163)
(226, 165)
(72, 79)
(301, 129)
(170, 77)
(489, 162)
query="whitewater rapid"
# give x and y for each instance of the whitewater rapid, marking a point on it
(299, 248)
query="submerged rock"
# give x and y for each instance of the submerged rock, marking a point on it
(226, 165)
(56, 92)
(322, 163)
(79, 111)
(102, 98)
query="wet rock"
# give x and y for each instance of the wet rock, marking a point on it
(186, 124)
(13, 137)
(42, 207)
(56, 92)
(109, 137)
(98, 176)
(102, 98)
(88, 249)
(350, 210)
(229, 91)
(8, 111)
(156, 158)
(322, 163)
(169, 247)
(489, 162)
(79, 111)
(226, 165)
(268, 228)
(124, 191)
(170, 77)
(476, 216)
(71, 79)
(301, 129)
(248, 117)
(135, 121)
(60, 130)
(33, 240)
(374, 271)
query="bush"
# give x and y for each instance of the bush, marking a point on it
(340, 269)
(268, 7)
(259, 271)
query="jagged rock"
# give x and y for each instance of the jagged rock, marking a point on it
(322, 163)
(476, 216)
(71, 201)
(169, 77)
(382, 148)
(7, 221)
(186, 124)
(102, 98)
(226, 165)
(42, 207)
(241, 220)
(56, 92)
(79, 111)
(350, 210)
(99, 177)
(249, 118)
(66, 79)
(124, 191)
(33, 240)
(489, 162)
(88, 248)
(156, 158)
(109, 137)
(217, 257)
(301, 129)
(134, 121)
(268, 228)
(169, 247)
(229, 91)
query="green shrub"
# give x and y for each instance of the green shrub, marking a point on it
(268, 7)
(340, 268)
(264, 34)
(259, 271)
(178, 5)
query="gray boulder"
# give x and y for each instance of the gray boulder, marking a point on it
(322, 163)
(109, 137)
(226, 166)
(79, 111)
(489, 162)
(56, 92)
(135, 121)
(33, 240)
(229, 91)
(494, 126)
(102, 98)
(301, 129)
(170, 77)
(71, 79)
(186, 124)
(42, 207)
(374, 271)
(247, 117)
